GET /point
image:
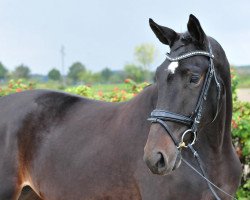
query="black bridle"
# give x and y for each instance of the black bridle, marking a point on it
(193, 122)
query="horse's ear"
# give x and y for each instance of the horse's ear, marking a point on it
(195, 30)
(165, 35)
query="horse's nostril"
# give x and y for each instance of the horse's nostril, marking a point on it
(161, 162)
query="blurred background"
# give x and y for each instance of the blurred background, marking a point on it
(105, 50)
(62, 43)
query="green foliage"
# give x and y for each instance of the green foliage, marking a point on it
(54, 75)
(145, 54)
(234, 83)
(114, 95)
(134, 72)
(119, 95)
(76, 71)
(51, 85)
(117, 77)
(243, 72)
(108, 87)
(243, 192)
(16, 86)
(3, 71)
(135, 87)
(82, 90)
(21, 72)
(241, 137)
(244, 81)
(241, 128)
(106, 73)
(89, 77)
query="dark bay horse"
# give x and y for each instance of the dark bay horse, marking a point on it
(66, 147)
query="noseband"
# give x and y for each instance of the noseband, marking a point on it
(162, 116)
(193, 121)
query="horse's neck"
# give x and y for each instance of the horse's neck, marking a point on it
(146, 99)
(139, 108)
(218, 133)
(216, 150)
(134, 114)
(228, 118)
(221, 128)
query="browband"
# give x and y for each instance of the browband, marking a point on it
(191, 54)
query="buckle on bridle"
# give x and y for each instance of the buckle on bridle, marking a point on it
(182, 144)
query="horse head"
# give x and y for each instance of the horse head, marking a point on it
(189, 91)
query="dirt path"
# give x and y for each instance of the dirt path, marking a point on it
(244, 94)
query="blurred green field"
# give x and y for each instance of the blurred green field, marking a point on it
(95, 87)
(243, 74)
(108, 87)
(244, 81)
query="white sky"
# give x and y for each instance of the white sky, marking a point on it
(103, 33)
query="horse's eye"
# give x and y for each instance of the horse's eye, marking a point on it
(194, 78)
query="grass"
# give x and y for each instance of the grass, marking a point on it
(244, 81)
(52, 85)
(108, 87)
(95, 87)
(243, 74)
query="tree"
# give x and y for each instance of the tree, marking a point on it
(106, 73)
(89, 77)
(21, 71)
(54, 75)
(145, 54)
(76, 71)
(3, 71)
(134, 72)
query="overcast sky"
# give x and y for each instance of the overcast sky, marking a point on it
(103, 33)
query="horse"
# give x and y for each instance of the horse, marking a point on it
(64, 146)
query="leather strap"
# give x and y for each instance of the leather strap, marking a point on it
(170, 116)
(165, 126)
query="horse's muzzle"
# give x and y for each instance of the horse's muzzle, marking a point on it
(159, 163)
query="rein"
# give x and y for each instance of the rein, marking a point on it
(193, 122)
